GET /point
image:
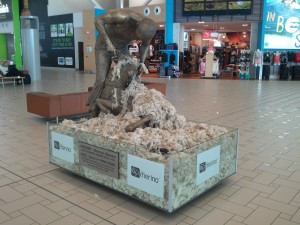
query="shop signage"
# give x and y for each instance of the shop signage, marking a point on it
(99, 159)
(282, 25)
(220, 7)
(5, 10)
(57, 44)
(208, 164)
(145, 175)
(62, 146)
(185, 36)
(206, 34)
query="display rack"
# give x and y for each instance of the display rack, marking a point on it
(169, 53)
(244, 61)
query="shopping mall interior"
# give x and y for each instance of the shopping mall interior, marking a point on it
(264, 110)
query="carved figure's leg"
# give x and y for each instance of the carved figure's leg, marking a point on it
(108, 106)
(102, 107)
(133, 126)
(103, 63)
(95, 110)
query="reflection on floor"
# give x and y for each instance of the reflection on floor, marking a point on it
(264, 191)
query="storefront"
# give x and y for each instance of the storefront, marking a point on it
(10, 41)
(281, 40)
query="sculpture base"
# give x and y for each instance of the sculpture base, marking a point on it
(165, 181)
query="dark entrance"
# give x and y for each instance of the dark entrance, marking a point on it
(80, 56)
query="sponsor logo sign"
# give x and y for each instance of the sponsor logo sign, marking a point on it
(145, 175)
(62, 147)
(208, 164)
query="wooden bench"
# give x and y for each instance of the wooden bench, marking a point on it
(55, 106)
(4, 80)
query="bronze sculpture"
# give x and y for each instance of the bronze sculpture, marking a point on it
(117, 29)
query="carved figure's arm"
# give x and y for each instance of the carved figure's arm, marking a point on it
(114, 17)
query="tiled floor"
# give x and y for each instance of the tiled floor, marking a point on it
(265, 190)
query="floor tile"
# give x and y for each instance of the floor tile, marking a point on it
(139, 210)
(69, 220)
(282, 164)
(280, 221)
(40, 214)
(95, 210)
(243, 196)
(284, 194)
(265, 178)
(295, 176)
(261, 216)
(296, 217)
(122, 218)
(231, 207)
(9, 194)
(232, 222)
(3, 217)
(91, 217)
(216, 217)
(22, 220)
(167, 219)
(256, 186)
(275, 205)
(265, 189)
(59, 205)
(193, 212)
(21, 203)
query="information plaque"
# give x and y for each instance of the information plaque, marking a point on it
(99, 159)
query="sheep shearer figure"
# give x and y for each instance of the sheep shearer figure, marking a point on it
(117, 29)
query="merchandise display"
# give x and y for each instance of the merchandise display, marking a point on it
(257, 62)
(281, 64)
(245, 64)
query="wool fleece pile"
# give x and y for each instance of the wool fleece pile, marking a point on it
(168, 131)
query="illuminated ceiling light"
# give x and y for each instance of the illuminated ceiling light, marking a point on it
(245, 25)
(201, 22)
(161, 25)
(222, 28)
(193, 29)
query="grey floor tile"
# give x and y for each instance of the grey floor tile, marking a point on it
(265, 190)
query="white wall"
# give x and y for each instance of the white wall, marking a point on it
(6, 27)
(136, 3)
(61, 7)
(78, 36)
